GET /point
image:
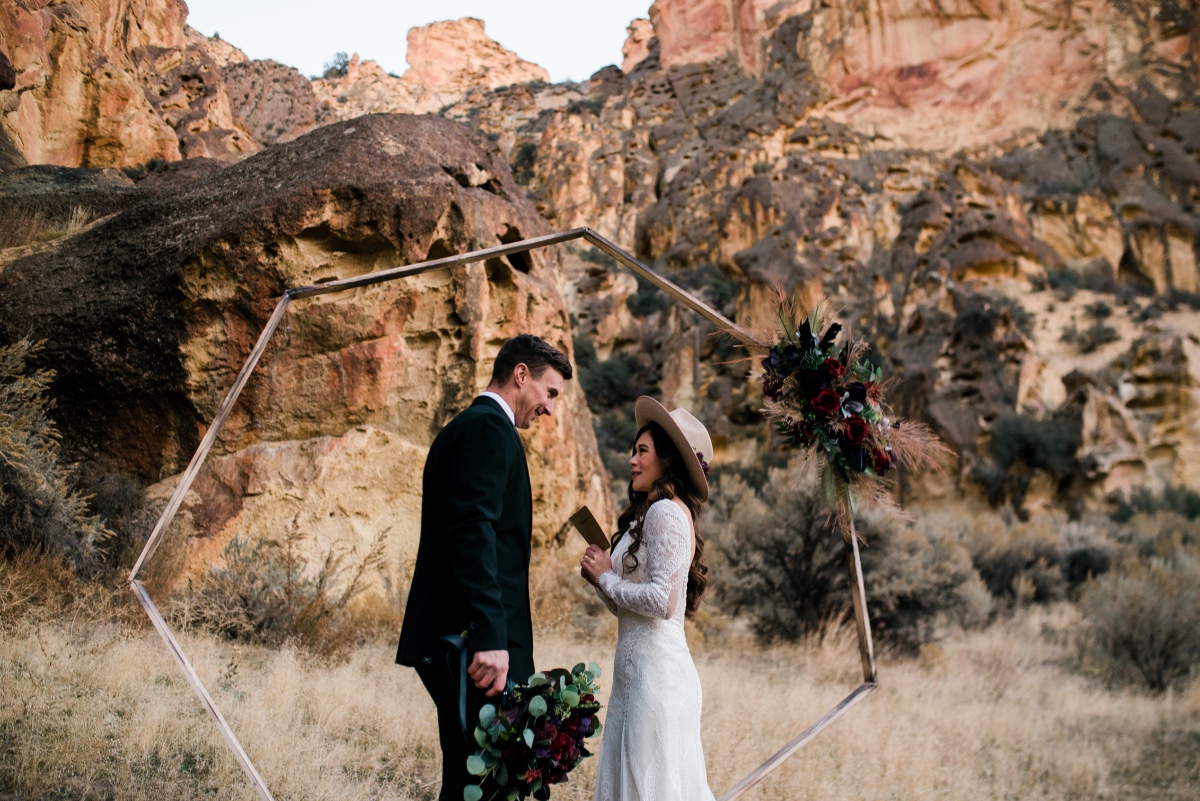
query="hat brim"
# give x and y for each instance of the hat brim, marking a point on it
(648, 410)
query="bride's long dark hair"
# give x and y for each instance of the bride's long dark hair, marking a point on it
(673, 484)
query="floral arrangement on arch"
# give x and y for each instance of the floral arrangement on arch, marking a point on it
(829, 402)
(534, 736)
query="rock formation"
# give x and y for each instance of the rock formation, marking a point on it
(924, 166)
(149, 313)
(447, 61)
(1003, 195)
(273, 101)
(100, 84)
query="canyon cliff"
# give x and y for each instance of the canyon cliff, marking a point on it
(1003, 196)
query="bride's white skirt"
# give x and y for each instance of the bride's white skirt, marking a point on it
(651, 749)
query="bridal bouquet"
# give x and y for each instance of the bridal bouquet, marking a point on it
(829, 402)
(535, 736)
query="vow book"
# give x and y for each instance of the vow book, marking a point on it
(585, 523)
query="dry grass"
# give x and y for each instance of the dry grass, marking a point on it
(31, 226)
(96, 709)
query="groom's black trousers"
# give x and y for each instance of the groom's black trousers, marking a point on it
(443, 687)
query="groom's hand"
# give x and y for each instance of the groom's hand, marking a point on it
(489, 670)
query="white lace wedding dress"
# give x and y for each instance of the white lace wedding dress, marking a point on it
(651, 749)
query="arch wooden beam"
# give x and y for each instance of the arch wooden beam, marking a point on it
(677, 293)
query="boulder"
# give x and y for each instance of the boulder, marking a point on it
(150, 313)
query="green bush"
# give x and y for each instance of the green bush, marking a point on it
(784, 566)
(647, 300)
(1144, 623)
(40, 509)
(615, 381)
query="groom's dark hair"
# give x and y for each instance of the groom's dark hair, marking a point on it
(534, 352)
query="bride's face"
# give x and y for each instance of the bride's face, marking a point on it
(645, 466)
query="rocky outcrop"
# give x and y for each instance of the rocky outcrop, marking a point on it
(447, 61)
(77, 100)
(273, 101)
(186, 90)
(637, 44)
(149, 313)
(746, 144)
(102, 84)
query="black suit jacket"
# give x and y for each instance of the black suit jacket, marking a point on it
(472, 571)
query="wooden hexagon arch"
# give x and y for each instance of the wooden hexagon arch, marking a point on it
(854, 563)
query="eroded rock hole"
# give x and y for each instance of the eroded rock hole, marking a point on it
(520, 261)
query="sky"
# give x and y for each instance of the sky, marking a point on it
(570, 40)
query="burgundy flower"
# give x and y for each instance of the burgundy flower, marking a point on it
(810, 382)
(882, 461)
(833, 368)
(826, 402)
(856, 430)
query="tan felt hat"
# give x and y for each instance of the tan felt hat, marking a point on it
(689, 435)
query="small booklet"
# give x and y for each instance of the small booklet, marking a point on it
(585, 523)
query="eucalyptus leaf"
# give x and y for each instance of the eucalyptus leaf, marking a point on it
(594, 669)
(538, 680)
(487, 714)
(475, 765)
(502, 774)
(578, 668)
(571, 697)
(481, 737)
(472, 792)
(529, 738)
(537, 706)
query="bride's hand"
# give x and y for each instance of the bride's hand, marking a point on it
(595, 563)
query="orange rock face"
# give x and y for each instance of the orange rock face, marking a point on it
(101, 84)
(447, 61)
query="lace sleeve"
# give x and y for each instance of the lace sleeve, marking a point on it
(666, 548)
(608, 602)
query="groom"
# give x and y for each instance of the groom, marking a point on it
(472, 572)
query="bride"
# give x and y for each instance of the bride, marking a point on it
(652, 749)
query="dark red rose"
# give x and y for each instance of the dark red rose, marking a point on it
(826, 402)
(833, 368)
(856, 429)
(881, 462)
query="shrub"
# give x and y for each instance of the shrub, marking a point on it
(784, 566)
(1091, 338)
(1144, 623)
(613, 382)
(713, 284)
(524, 161)
(265, 593)
(40, 508)
(1017, 562)
(647, 300)
(1180, 500)
(338, 67)
(1046, 444)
